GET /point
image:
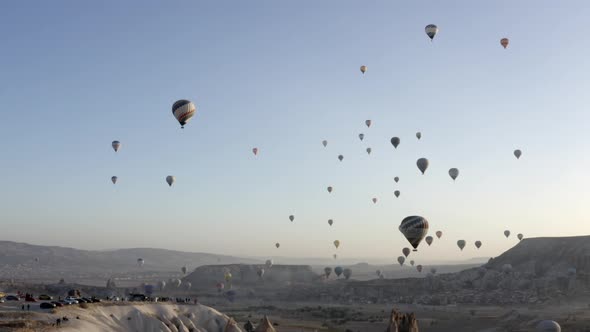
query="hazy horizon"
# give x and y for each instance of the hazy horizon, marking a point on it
(282, 77)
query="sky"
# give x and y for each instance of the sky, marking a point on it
(283, 76)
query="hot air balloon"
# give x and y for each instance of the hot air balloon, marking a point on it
(433, 270)
(188, 285)
(374, 200)
(161, 285)
(260, 272)
(140, 262)
(268, 263)
(37, 259)
(378, 272)
(395, 141)
(414, 228)
(548, 326)
(396, 179)
(227, 276)
(396, 193)
(406, 252)
(419, 268)
(327, 272)
(329, 189)
(401, 260)
(220, 286)
(330, 222)
(347, 273)
(170, 180)
(336, 244)
(519, 236)
(461, 244)
(361, 136)
(412, 262)
(517, 154)
(114, 179)
(277, 245)
(183, 110)
(363, 69)
(454, 173)
(504, 42)
(255, 151)
(325, 143)
(340, 157)
(506, 233)
(429, 240)
(422, 164)
(176, 282)
(369, 150)
(431, 31)
(438, 234)
(478, 244)
(183, 270)
(116, 145)
(368, 123)
(418, 135)
(338, 271)
(291, 217)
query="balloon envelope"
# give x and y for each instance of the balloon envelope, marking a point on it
(454, 173)
(396, 179)
(170, 180)
(406, 252)
(327, 271)
(340, 157)
(277, 245)
(418, 135)
(506, 233)
(414, 228)
(183, 110)
(431, 31)
(478, 244)
(395, 141)
(347, 273)
(336, 244)
(338, 270)
(374, 200)
(369, 150)
(438, 234)
(114, 179)
(361, 136)
(548, 326)
(268, 263)
(329, 189)
(363, 69)
(330, 222)
(255, 151)
(396, 193)
(116, 145)
(422, 164)
(519, 236)
(368, 123)
(412, 262)
(517, 154)
(429, 240)
(325, 143)
(419, 268)
(401, 260)
(461, 244)
(504, 42)
(291, 217)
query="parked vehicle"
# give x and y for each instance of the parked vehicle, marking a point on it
(45, 297)
(57, 304)
(47, 305)
(12, 298)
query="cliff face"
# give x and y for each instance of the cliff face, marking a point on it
(245, 274)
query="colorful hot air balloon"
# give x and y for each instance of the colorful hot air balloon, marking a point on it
(517, 153)
(406, 252)
(183, 110)
(412, 262)
(220, 286)
(429, 240)
(116, 145)
(454, 173)
(461, 244)
(422, 164)
(504, 42)
(336, 244)
(347, 273)
(183, 270)
(170, 180)
(255, 151)
(369, 150)
(396, 179)
(325, 143)
(291, 217)
(338, 271)
(519, 236)
(277, 245)
(478, 244)
(340, 157)
(401, 260)
(330, 189)
(395, 141)
(268, 263)
(506, 233)
(361, 136)
(419, 268)
(414, 228)
(438, 234)
(327, 271)
(418, 135)
(260, 272)
(396, 193)
(374, 199)
(140, 262)
(227, 276)
(368, 123)
(363, 69)
(114, 179)
(431, 31)
(330, 222)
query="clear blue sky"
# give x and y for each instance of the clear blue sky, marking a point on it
(283, 76)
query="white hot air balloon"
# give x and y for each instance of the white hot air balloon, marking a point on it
(431, 31)
(183, 110)
(116, 145)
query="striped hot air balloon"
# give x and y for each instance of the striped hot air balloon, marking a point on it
(183, 110)
(414, 228)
